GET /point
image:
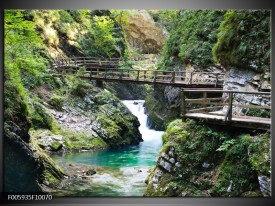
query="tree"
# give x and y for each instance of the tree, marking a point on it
(100, 40)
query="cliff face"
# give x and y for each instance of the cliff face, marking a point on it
(143, 33)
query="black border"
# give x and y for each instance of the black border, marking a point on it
(135, 4)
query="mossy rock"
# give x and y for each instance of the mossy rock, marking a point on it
(56, 146)
(41, 118)
(56, 102)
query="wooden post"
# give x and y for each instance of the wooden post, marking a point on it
(182, 103)
(191, 77)
(97, 72)
(155, 76)
(145, 74)
(173, 77)
(216, 80)
(105, 75)
(205, 101)
(121, 74)
(228, 115)
(91, 72)
(137, 79)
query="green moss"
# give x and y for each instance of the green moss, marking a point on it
(98, 143)
(104, 97)
(82, 140)
(55, 146)
(57, 102)
(260, 153)
(50, 174)
(237, 170)
(240, 34)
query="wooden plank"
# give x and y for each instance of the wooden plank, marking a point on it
(203, 109)
(237, 119)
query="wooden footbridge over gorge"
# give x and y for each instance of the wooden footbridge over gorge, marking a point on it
(202, 96)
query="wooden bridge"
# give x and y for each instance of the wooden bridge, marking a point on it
(107, 70)
(212, 104)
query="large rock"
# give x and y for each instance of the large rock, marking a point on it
(27, 167)
(143, 33)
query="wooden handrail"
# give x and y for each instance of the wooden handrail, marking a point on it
(216, 102)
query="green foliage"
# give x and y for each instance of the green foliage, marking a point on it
(78, 86)
(41, 118)
(199, 34)
(79, 15)
(192, 39)
(260, 154)
(100, 41)
(255, 112)
(16, 107)
(65, 16)
(244, 40)
(226, 145)
(24, 62)
(166, 18)
(104, 97)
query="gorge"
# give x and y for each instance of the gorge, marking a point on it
(69, 136)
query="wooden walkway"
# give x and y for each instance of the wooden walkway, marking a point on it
(213, 104)
(224, 109)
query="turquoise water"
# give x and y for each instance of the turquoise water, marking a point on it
(122, 171)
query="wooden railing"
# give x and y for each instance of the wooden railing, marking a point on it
(146, 76)
(94, 62)
(247, 104)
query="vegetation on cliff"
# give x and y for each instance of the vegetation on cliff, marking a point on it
(244, 40)
(199, 160)
(237, 38)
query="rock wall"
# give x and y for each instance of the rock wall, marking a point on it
(247, 80)
(126, 91)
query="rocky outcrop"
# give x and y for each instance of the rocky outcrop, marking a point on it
(143, 33)
(162, 105)
(27, 168)
(196, 160)
(92, 118)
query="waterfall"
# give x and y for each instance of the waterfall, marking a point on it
(152, 138)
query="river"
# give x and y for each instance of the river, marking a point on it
(120, 172)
